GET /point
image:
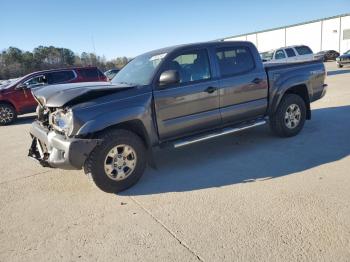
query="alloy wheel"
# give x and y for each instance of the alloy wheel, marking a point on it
(120, 162)
(292, 116)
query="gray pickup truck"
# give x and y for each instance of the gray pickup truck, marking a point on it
(174, 96)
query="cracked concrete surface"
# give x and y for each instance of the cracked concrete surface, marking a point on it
(243, 197)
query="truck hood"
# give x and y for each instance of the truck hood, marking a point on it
(64, 94)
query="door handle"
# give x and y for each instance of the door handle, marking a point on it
(257, 80)
(210, 89)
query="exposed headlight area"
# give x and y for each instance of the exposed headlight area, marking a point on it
(62, 121)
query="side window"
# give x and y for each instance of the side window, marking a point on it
(234, 60)
(280, 54)
(89, 73)
(192, 66)
(60, 77)
(36, 80)
(303, 50)
(290, 52)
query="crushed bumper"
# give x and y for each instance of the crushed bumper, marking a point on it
(55, 150)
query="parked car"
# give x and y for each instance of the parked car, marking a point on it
(16, 97)
(327, 55)
(343, 59)
(287, 54)
(174, 96)
(4, 83)
(111, 73)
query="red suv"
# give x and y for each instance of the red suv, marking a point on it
(16, 97)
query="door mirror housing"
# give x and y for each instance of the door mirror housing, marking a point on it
(169, 77)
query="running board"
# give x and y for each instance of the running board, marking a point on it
(225, 131)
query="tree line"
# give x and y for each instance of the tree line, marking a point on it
(15, 62)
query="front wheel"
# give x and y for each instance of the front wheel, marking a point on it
(339, 65)
(118, 162)
(7, 114)
(290, 116)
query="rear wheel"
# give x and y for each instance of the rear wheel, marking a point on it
(118, 162)
(7, 114)
(290, 116)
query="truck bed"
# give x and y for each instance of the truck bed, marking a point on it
(289, 74)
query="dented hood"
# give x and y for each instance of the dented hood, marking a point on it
(63, 94)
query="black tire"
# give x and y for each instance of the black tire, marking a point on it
(94, 165)
(8, 114)
(278, 122)
(339, 65)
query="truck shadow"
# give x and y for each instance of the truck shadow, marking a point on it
(249, 156)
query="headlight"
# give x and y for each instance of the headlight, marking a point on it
(62, 121)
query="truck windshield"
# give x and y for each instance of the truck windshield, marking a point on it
(140, 70)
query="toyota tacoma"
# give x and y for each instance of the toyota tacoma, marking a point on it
(173, 96)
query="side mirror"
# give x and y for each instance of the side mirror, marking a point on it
(169, 77)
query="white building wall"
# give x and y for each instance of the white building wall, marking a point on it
(271, 40)
(345, 24)
(322, 35)
(252, 38)
(330, 34)
(307, 34)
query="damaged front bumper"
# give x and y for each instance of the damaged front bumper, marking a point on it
(55, 150)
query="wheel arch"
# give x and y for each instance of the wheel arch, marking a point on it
(300, 90)
(7, 102)
(136, 126)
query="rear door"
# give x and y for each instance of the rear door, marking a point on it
(192, 105)
(243, 85)
(292, 57)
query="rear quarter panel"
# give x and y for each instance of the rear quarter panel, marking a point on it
(283, 77)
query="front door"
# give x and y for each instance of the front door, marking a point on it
(192, 105)
(25, 97)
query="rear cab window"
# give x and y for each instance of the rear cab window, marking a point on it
(234, 60)
(303, 50)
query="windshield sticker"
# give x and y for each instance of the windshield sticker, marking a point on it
(157, 57)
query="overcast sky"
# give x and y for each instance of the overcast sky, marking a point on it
(130, 27)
